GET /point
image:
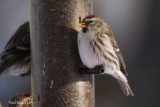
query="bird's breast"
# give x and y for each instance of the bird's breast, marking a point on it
(86, 53)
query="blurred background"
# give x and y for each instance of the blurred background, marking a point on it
(136, 25)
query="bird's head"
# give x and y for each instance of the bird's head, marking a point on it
(91, 23)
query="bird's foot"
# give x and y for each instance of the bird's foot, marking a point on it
(85, 70)
(96, 70)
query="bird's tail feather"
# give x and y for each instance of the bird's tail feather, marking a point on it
(126, 88)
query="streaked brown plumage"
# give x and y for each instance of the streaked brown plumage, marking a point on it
(97, 46)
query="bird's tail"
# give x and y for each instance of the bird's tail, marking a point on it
(126, 88)
(122, 80)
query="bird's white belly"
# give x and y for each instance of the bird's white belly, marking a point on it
(86, 52)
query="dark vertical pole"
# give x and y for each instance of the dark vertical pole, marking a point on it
(55, 60)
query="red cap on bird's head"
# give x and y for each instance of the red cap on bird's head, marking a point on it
(89, 17)
(82, 23)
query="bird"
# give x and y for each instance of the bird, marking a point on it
(15, 59)
(97, 47)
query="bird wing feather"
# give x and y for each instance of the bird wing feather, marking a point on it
(18, 40)
(117, 50)
(16, 48)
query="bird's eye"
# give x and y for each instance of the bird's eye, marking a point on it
(91, 21)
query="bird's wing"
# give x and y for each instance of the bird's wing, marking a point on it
(121, 61)
(19, 41)
(117, 50)
(17, 48)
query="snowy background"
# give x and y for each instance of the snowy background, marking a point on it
(136, 25)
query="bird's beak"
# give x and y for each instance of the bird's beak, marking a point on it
(83, 25)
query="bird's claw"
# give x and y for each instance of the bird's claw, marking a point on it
(84, 70)
(96, 70)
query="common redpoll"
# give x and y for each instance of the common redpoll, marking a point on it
(15, 58)
(97, 47)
